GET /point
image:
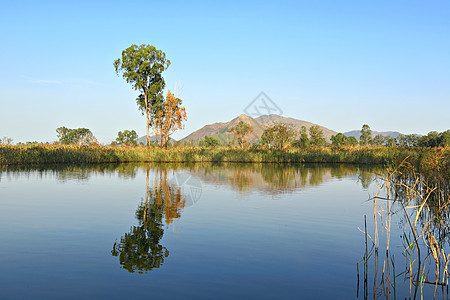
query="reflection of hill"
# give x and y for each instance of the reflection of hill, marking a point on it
(274, 178)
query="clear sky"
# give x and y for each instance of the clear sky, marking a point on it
(339, 64)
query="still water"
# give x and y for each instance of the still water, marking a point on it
(191, 231)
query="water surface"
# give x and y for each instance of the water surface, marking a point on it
(192, 231)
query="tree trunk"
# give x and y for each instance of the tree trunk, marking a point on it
(166, 138)
(147, 112)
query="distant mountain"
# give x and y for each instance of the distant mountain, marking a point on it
(221, 131)
(143, 140)
(357, 133)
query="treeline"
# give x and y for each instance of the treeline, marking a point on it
(282, 136)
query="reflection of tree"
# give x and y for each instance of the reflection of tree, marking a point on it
(140, 249)
(278, 176)
(365, 177)
(241, 179)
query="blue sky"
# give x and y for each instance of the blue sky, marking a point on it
(339, 64)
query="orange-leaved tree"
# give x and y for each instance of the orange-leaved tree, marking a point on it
(169, 118)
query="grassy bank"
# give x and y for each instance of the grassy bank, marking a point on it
(430, 159)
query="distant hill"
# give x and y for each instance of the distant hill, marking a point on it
(357, 133)
(221, 130)
(143, 140)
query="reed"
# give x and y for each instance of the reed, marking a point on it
(422, 201)
(434, 161)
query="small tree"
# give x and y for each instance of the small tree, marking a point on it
(209, 141)
(169, 118)
(402, 141)
(366, 136)
(278, 136)
(351, 140)
(389, 141)
(240, 131)
(80, 136)
(338, 140)
(316, 136)
(127, 138)
(303, 141)
(378, 140)
(142, 67)
(412, 140)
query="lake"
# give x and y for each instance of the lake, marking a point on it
(194, 231)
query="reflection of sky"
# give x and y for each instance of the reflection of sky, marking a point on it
(56, 239)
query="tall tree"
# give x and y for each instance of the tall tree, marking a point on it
(142, 67)
(240, 131)
(366, 136)
(169, 118)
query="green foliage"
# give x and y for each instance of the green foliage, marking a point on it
(338, 140)
(389, 141)
(127, 138)
(278, 136)
(209, 142)
(80, 136)
(303, 141)
(378, 140)
(402, 141)
(435, 139)
(366, 136)
(240, 131)
(351, 140)
(316, 136)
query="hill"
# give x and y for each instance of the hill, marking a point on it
(143, 140)
(221, 131)
(357, 133)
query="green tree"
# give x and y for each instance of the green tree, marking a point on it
(389, 141)
(209, 141)
(378, 140)
(142, 67)
(351, 140)
(127, 137)
(444, 138)
(338, 140)
(316, 136)
(366, 136)
(278, 136)
(80, 136)
(240, 131)
(401, 140)
(303, 141)
(429, 140)
(412, 140)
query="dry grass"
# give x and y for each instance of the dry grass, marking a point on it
(435, 161)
